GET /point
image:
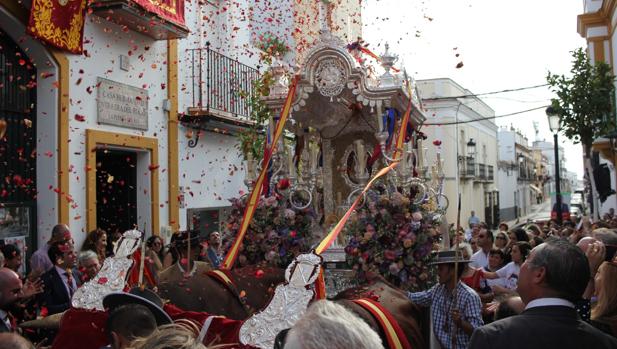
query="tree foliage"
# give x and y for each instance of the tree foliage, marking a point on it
(253, 138)
(584, 100)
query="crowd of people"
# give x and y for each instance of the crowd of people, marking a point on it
(57, 270)
(562, 277)
(537, 285)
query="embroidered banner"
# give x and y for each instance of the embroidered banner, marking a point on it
(253, 200)
(59, 23)
(169, 10)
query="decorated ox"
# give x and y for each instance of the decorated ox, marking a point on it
(412, 319)
(253, 288)
(235, 294)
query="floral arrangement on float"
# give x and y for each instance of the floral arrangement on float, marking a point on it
(394, 238)
(277, 232)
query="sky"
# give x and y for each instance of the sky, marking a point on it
(502, 45)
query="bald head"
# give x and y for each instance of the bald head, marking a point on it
(509, 307)
(60, 232)
(584, 243)
(10, 287)
(14, 341)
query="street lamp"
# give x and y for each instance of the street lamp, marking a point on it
(553, 124)
(471, 147)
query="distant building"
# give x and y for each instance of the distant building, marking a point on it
(518, 175)
(548, 150)
(471, 174)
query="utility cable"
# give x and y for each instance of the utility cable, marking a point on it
(485, 93)
(482, 119)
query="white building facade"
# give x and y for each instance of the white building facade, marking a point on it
(455, 126)
(100, 124)
(218, 64)
(104, 139)
(596, 24)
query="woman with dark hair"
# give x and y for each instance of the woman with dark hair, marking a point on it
(154, 253)
(535, 241)
(96, 241)
(517, 235)
(12, 257)
(520, 252)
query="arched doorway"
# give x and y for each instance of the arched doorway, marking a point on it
(18, 152)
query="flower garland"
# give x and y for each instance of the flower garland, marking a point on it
(276, 234)
(394, 238)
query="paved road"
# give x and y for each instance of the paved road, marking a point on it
(540, 211)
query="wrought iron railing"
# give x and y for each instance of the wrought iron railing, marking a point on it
(470, 166)
(220, 83)
(481, 171)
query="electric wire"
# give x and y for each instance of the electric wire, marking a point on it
(482, 119)
(486, 93)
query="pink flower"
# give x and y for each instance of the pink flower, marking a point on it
(289, 214)
(389, 254)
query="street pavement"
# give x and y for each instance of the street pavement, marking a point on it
(540, 211)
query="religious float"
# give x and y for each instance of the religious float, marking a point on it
(345, 122)
(341, 205)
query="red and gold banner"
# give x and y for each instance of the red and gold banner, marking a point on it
(59, 23)
(253, 200)
(169, 10)
(402, 133)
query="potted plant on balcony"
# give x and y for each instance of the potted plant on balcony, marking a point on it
(271, 46)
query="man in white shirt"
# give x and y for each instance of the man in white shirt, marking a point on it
(553, 276)
(485, 241)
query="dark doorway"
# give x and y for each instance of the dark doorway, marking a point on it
(18, 131)
(116, 190)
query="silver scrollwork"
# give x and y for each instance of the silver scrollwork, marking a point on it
(330, 78)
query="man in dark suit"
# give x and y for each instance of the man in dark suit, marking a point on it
(61, 281)
(553, 277)
(10, 293)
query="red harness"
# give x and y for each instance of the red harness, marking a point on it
(394, 333)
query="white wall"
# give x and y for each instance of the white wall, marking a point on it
(107, 42)
(211, 173)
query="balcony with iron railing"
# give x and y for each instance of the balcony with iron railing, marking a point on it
(481, 172)
(470, 165)
(221, 89)
(467, 167)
